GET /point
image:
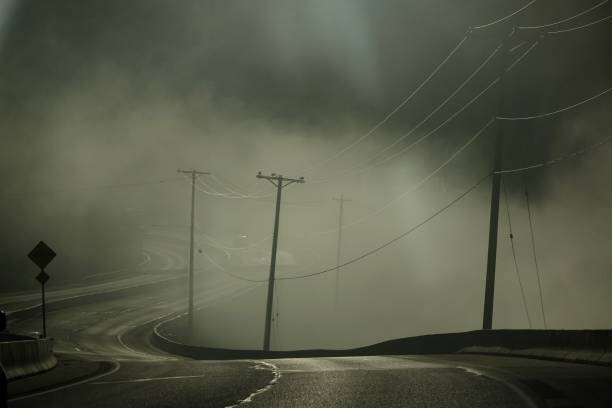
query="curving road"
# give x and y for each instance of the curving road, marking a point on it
(114, 327)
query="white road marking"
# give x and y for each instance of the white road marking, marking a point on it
(139, 380)
(261, 365)
(116, 367)
(471, 371)
(517, 390)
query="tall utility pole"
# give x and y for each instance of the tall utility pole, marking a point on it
(487, 319)
(279, 182)
(341, 201)
(194, 174)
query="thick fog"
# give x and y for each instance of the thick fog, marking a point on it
(102, 101)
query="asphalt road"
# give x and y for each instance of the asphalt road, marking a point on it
(114, 327)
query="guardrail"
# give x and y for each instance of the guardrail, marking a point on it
(26, 357)
(581, 346)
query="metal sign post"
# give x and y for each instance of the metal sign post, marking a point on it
(42, 255)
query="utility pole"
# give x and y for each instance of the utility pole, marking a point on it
(487, 319)
(194, 174)
(279, 182)
(341, 201)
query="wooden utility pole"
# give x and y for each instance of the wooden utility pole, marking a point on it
(487, 319)
(279, 182)
(194, 174)
(341, 202)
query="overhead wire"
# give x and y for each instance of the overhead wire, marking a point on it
(414, 92)
(504, 18)
(434, 130)
(535, 259)
(592, 23)
(547, 114)
(393, 111)
(523, 55)
(234, 190)
(454, 115)
(444, 123)
(439, 212)
(399, 237)
(424, 120)
(559, 159)
(516, 47)
(384, 245)
(516, 267)
(533, 45)
(565, 20)
(417, 185)
(203, 187)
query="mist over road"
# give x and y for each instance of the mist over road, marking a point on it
(116, 328)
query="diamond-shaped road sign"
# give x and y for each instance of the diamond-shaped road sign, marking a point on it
(41, 255)
(42, 277)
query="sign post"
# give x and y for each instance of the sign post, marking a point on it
(42, 255)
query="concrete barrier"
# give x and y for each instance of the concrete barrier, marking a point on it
(581, 346)
(3, 388)
(26, 357)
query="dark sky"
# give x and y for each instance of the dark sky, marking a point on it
(107, 92)
(305, 64)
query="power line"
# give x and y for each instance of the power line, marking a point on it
(547, 114)
(559, 159)
(516, 268)
(535, 258)
(565, 20)
(502, 19)
(440, 126)
(399, 237)
(210, 191)
(234, 190)
(454, 115)
(601, 20)
(427, 117)
(419, 184)
(393, 111)
(523, 55)
(516, 47)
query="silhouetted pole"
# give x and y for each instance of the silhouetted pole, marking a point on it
(3, 378)
(341, 201)
(44, 312)
(279, 182)
(487, 320)
(193, 174)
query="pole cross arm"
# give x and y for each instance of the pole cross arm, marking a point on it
(285, 181)
(200, 173)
